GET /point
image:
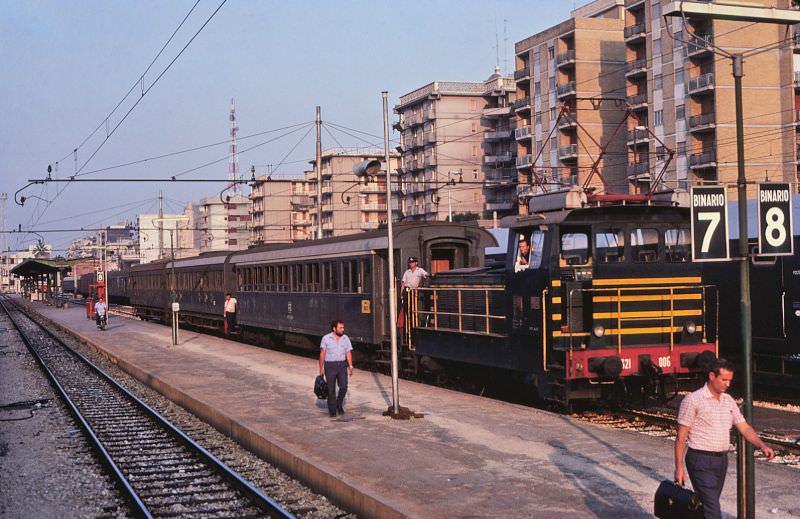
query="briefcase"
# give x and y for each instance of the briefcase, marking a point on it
(676, 502)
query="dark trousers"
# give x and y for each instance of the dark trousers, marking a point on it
(707, 472)
(230, 322)
(336, 374)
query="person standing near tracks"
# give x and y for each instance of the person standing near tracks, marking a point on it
(230, 313)
(335, 364)
(705, 419)
(100, 310)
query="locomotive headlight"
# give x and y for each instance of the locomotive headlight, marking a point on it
(690, 327)
(598, 331)
(797, 313)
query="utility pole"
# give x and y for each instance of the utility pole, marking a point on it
(395, 411)
(318, 167)
(160, 225)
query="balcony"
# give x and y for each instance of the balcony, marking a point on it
(503, 176)
(522, 104)
(300, 201)
(706, 159)
(411, 142)
(567, 123)
(702, 44)
(430, 137)
(327, 188)
(701, 84)
(412, 120)
(497, 135)
(631, 4)
(372, 187)
(635, 32)
(523, 132)
(523, 74)
(567, 58)
(638, 101)
(302, 222)
(412, 165)
(327, 226)
(430, 114)
(796, 39)
(430, 208)
(568, 152)
(638, 137)
(499, 111)
(702, 122)
(411, 188)
(368, 226)
(500, 158)
(499, 205)
(566, 90)
(639, 170)
(636, 67)
(374, 206)
(430, 160)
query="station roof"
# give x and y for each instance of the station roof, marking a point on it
(36, 266)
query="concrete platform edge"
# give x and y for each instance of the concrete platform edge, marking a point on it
(343, 494)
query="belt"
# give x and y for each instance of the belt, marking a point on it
(709, 453)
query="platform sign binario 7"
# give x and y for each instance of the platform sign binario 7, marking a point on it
(775, 224)
(710, 224)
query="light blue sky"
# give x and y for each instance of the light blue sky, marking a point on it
(65, 64)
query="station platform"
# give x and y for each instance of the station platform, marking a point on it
(468, 457)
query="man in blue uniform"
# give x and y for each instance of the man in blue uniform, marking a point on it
(335, 364)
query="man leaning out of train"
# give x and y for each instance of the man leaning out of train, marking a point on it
(335, 364)
(705, 419)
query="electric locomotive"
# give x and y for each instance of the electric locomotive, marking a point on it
(595, 301)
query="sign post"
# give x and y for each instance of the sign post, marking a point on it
(775, 226)
(709, 207)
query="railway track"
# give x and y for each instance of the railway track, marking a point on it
(160, 470)
(662, 423)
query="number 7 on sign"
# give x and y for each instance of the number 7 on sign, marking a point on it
(713, 219)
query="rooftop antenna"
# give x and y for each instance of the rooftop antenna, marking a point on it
(505, 45)
(3, 203)
(233, 166)
(496, 44)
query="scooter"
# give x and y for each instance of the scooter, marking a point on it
(102, 321)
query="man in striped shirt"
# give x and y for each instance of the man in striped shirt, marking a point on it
(705, 419)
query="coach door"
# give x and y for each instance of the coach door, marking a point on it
(770, 302)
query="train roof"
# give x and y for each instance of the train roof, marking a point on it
(405, 235)
(593, 213)
(205, 259)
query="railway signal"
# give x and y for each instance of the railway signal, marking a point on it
(775, 225)
(709, 207)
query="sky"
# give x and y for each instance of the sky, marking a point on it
(66, 64)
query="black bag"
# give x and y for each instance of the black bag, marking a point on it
(321, 387)
(676, 502)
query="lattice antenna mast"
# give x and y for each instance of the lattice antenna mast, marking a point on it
(233, 166)
(3, 204)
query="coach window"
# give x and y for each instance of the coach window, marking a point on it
(313, 280)
(367, 265)
(678, 245)
(610, 245)
(335, 276)
(574, 248)
(345, 276)
(644, 245)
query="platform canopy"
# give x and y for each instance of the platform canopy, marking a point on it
(34, 266)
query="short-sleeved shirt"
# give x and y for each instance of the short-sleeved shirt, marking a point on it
(709, 420)
(100, 307)
(335, 351)
(413, 278)
(230, 305)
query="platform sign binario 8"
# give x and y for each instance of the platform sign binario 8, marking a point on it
(775, 224)
(710, 224)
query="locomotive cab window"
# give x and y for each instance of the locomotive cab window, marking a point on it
(644, 245)
(610, 245)
(678, 245)
(574, 248)
(528, 254)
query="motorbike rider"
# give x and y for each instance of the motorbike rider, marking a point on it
(100, 310)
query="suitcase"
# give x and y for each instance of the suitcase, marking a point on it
(676, 502)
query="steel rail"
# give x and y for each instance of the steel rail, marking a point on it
(259, 499)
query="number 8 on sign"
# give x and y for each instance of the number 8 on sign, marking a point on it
(775, 220)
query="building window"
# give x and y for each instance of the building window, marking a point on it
(552, 84)
(473, 105)
(656, 11)
(658, 118)
(658, 82)
(474, 151)
(474, 174)
(657, 47)
(537, 58)
(680, 112)
(538, 147)
(679, 76)
(538, 119)
(660, 153)
(537, 88)
(474, 127)
(553, 113)
(553, 144)
(682, 149)
(551, 52)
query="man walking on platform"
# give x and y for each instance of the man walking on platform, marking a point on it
(705, 419)
(100, 310)
(335, 364)
(230, 313)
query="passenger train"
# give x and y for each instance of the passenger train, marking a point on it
(609, 305)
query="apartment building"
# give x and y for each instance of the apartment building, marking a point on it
(189, 232)
(683, 93)
(499, 147)
(561, 124)
(442, 127)
(349, 204)
(224, 225)
(157, 238)
(278, 210)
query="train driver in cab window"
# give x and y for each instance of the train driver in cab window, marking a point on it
(523, 254)
(529, 251)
